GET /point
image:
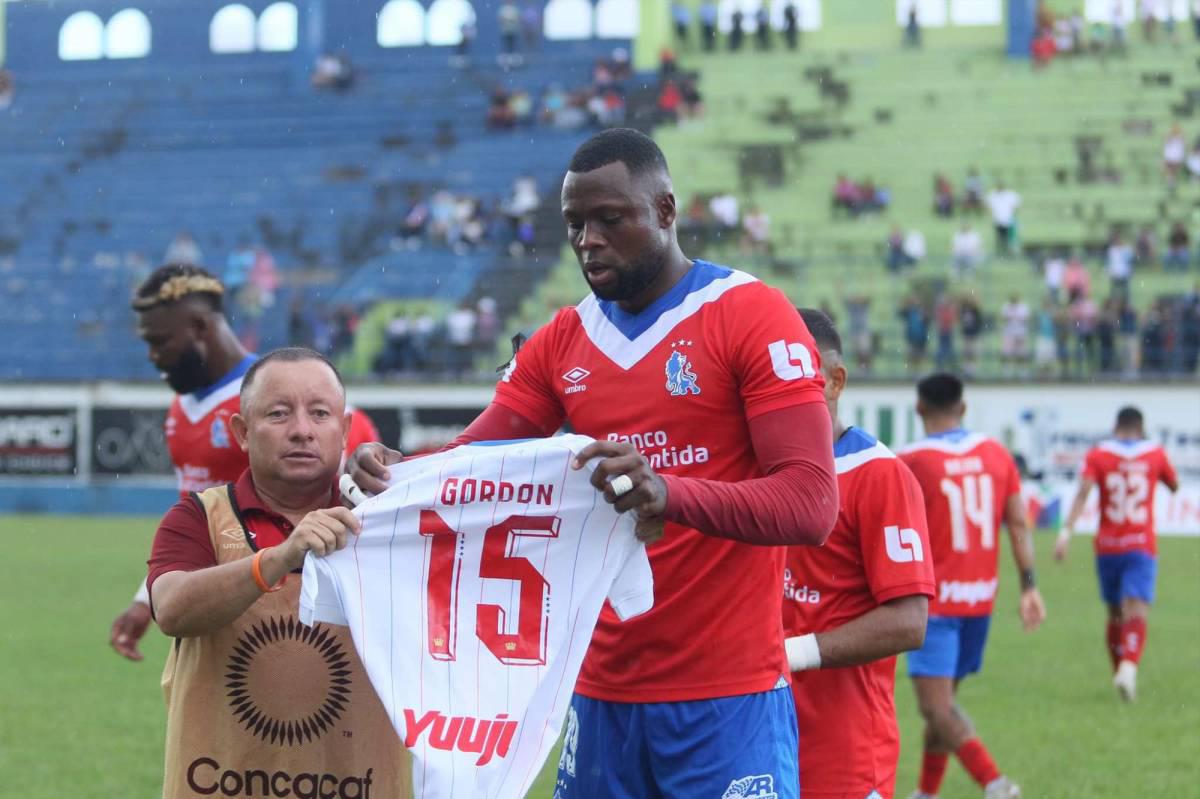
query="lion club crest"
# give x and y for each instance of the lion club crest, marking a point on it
(681, 380)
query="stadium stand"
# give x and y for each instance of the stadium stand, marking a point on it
(111, 158)
(1080, 140)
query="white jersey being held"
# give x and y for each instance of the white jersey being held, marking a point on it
(471, 594)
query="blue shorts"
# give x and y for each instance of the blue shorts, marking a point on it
(953, 647)
(1130, 574)
(735, 746)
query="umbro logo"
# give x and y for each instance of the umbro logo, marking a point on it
(575, 377)
(234, 539)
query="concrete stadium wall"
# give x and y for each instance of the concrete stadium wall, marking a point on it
(98, 448)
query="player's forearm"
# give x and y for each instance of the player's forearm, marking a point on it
(795, 503)
(795, 506)
(188, 604)
(1077, 505)
(889, 629)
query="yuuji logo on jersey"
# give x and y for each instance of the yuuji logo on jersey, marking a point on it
(666, 455)
(967, 592)
(484, 737)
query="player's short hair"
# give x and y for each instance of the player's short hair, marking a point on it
(634, 149)
(287, 355)
(822, 329)
(1129, 417)
(940, 391)
(172, 282)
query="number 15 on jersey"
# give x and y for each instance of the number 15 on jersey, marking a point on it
(444, 551)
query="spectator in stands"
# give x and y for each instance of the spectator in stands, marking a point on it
(973, 192)
(791, 25)
(725, 212)
(692, 105)
(1193, 159)
(466, 39)
(1189, 331)
(1076, 279)
(872, 197)
(845, 196)
(333, 72)
(762, 21)
(1119, 258)
(1014, 346)
(487, 324)
(622, 65)
(1003, 203)
(756, 232)
(1053, 272)
(300, 323)
(1149, 20)
(970, 324)
(264, 277)
(708, 25)
(1127, 338)
(916, 330)
(500, 114)
(1117, 38)
(943, 197)
(1155, 339)
(1106, 334)
(1043, 48)
(397, 354)
(531, 24)
(945, 316)
(460, 333)
(1174, 154)
(1045, 347)
(670, 98)
(696, 218)
(1084, 316)
(895, 258)
(8, 89)
(345, 326)
(1144, 247)
(966, 251)
(508, 18)
(681, 16)
(914, 246)
(237, 267)
(416, 218)
(1179, 253)
(1076, 23)
(859, 328)
(183, 249)
(912, 29)
(521, 105)
(736, 29)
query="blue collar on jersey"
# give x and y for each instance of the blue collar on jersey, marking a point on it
(1128, 443)
(233, 374)
(953, 436)
(633, 325)
(853, 440)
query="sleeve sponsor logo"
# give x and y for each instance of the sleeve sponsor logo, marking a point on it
(903, 545)
(791, 361)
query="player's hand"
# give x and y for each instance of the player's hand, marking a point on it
(128, 629)
(368, 466)
(648, 491)
(1061, 545)
(1032, 609)
(321, 532)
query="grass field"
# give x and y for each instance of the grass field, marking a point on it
(76, 721)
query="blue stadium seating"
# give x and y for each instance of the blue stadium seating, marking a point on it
(105, 162)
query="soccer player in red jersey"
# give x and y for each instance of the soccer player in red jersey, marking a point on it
(181, 318)
(1128, 469)
(971, 486)
(853, 604)
(701, 387)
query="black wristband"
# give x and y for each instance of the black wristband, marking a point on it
(1027, 580)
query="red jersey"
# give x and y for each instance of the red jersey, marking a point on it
(199, 439)
(201, 443)
(680, 380)
(1128, 473)
(878, 551)
(967, 479)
